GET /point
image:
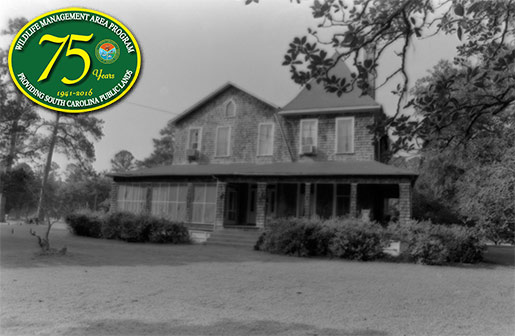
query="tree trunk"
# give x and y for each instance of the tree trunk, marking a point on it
(40, 215)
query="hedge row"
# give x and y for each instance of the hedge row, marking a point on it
(128, 227)
(354, 239)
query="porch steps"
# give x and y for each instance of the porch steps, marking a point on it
(200, 227)
(244, 238)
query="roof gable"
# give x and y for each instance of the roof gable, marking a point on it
(213, 95)
(317, 99)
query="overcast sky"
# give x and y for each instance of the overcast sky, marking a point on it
(191, 47)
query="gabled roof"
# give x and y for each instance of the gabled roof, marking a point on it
(318, 100)
(213, 95)
(285, 169)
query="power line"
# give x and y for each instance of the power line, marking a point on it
(151, 108)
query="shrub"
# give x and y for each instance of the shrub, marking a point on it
(354, 239)
(85, 223)
(357, 240)
(295, 236)
(464, 245)
(136, 229)
(163, 231)
(112, 225)
(435, 244)
(127, 226)
(344, 238)
(429, 249)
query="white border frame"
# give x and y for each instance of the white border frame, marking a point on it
(259, 136)
(300, 133)
(199, 138)
(228, 141)
(336, 135)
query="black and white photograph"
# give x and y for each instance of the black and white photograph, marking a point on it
(257, 167)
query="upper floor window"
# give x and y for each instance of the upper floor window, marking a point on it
(194, 138)
(223, 141)
(308, 132)
(265, 139)
(345, 135)
(230, 109)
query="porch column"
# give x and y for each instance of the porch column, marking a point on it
(353, 200)
(189, 203)
(404, 202)
(307, 199)
(260, 204)
(148, 199)
(221, 188)
(113, 197)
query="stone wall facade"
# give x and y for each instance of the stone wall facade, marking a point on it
(405, 202)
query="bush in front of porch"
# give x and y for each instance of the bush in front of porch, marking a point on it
(343, 238)
(435, 244)
(127, 227)
(354, 239)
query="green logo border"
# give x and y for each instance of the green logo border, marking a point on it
(123, 93)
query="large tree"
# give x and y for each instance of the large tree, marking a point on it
(85, 189)
(17, 113)
(347, 30)
(163, 148)
(468, 152)
(17, 119)
(19, 186)
(123, 161)
(73, 136)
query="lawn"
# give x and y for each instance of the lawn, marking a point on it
(114, 288)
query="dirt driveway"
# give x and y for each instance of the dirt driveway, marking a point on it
(114, 288)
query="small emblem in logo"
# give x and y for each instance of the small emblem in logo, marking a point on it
(107, 51)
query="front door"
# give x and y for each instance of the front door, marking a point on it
(231, 214)
(251, 213)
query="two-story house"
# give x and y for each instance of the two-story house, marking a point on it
(239, 160)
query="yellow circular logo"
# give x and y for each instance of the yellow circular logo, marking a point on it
(51, 60)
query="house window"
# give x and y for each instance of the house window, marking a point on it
(194, 138)
(223, 140)
(308, 132)
(265, 139)
(131, 198)
(204, 203)
(344, 135)
(169, 201)
(230, 109)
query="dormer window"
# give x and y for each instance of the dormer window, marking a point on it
(230, 109)
(194, 138)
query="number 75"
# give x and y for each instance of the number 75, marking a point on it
(69, 51)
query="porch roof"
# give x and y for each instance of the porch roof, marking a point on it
(312, 168)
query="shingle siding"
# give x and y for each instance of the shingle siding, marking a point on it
(250, 112)
(326, 142)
